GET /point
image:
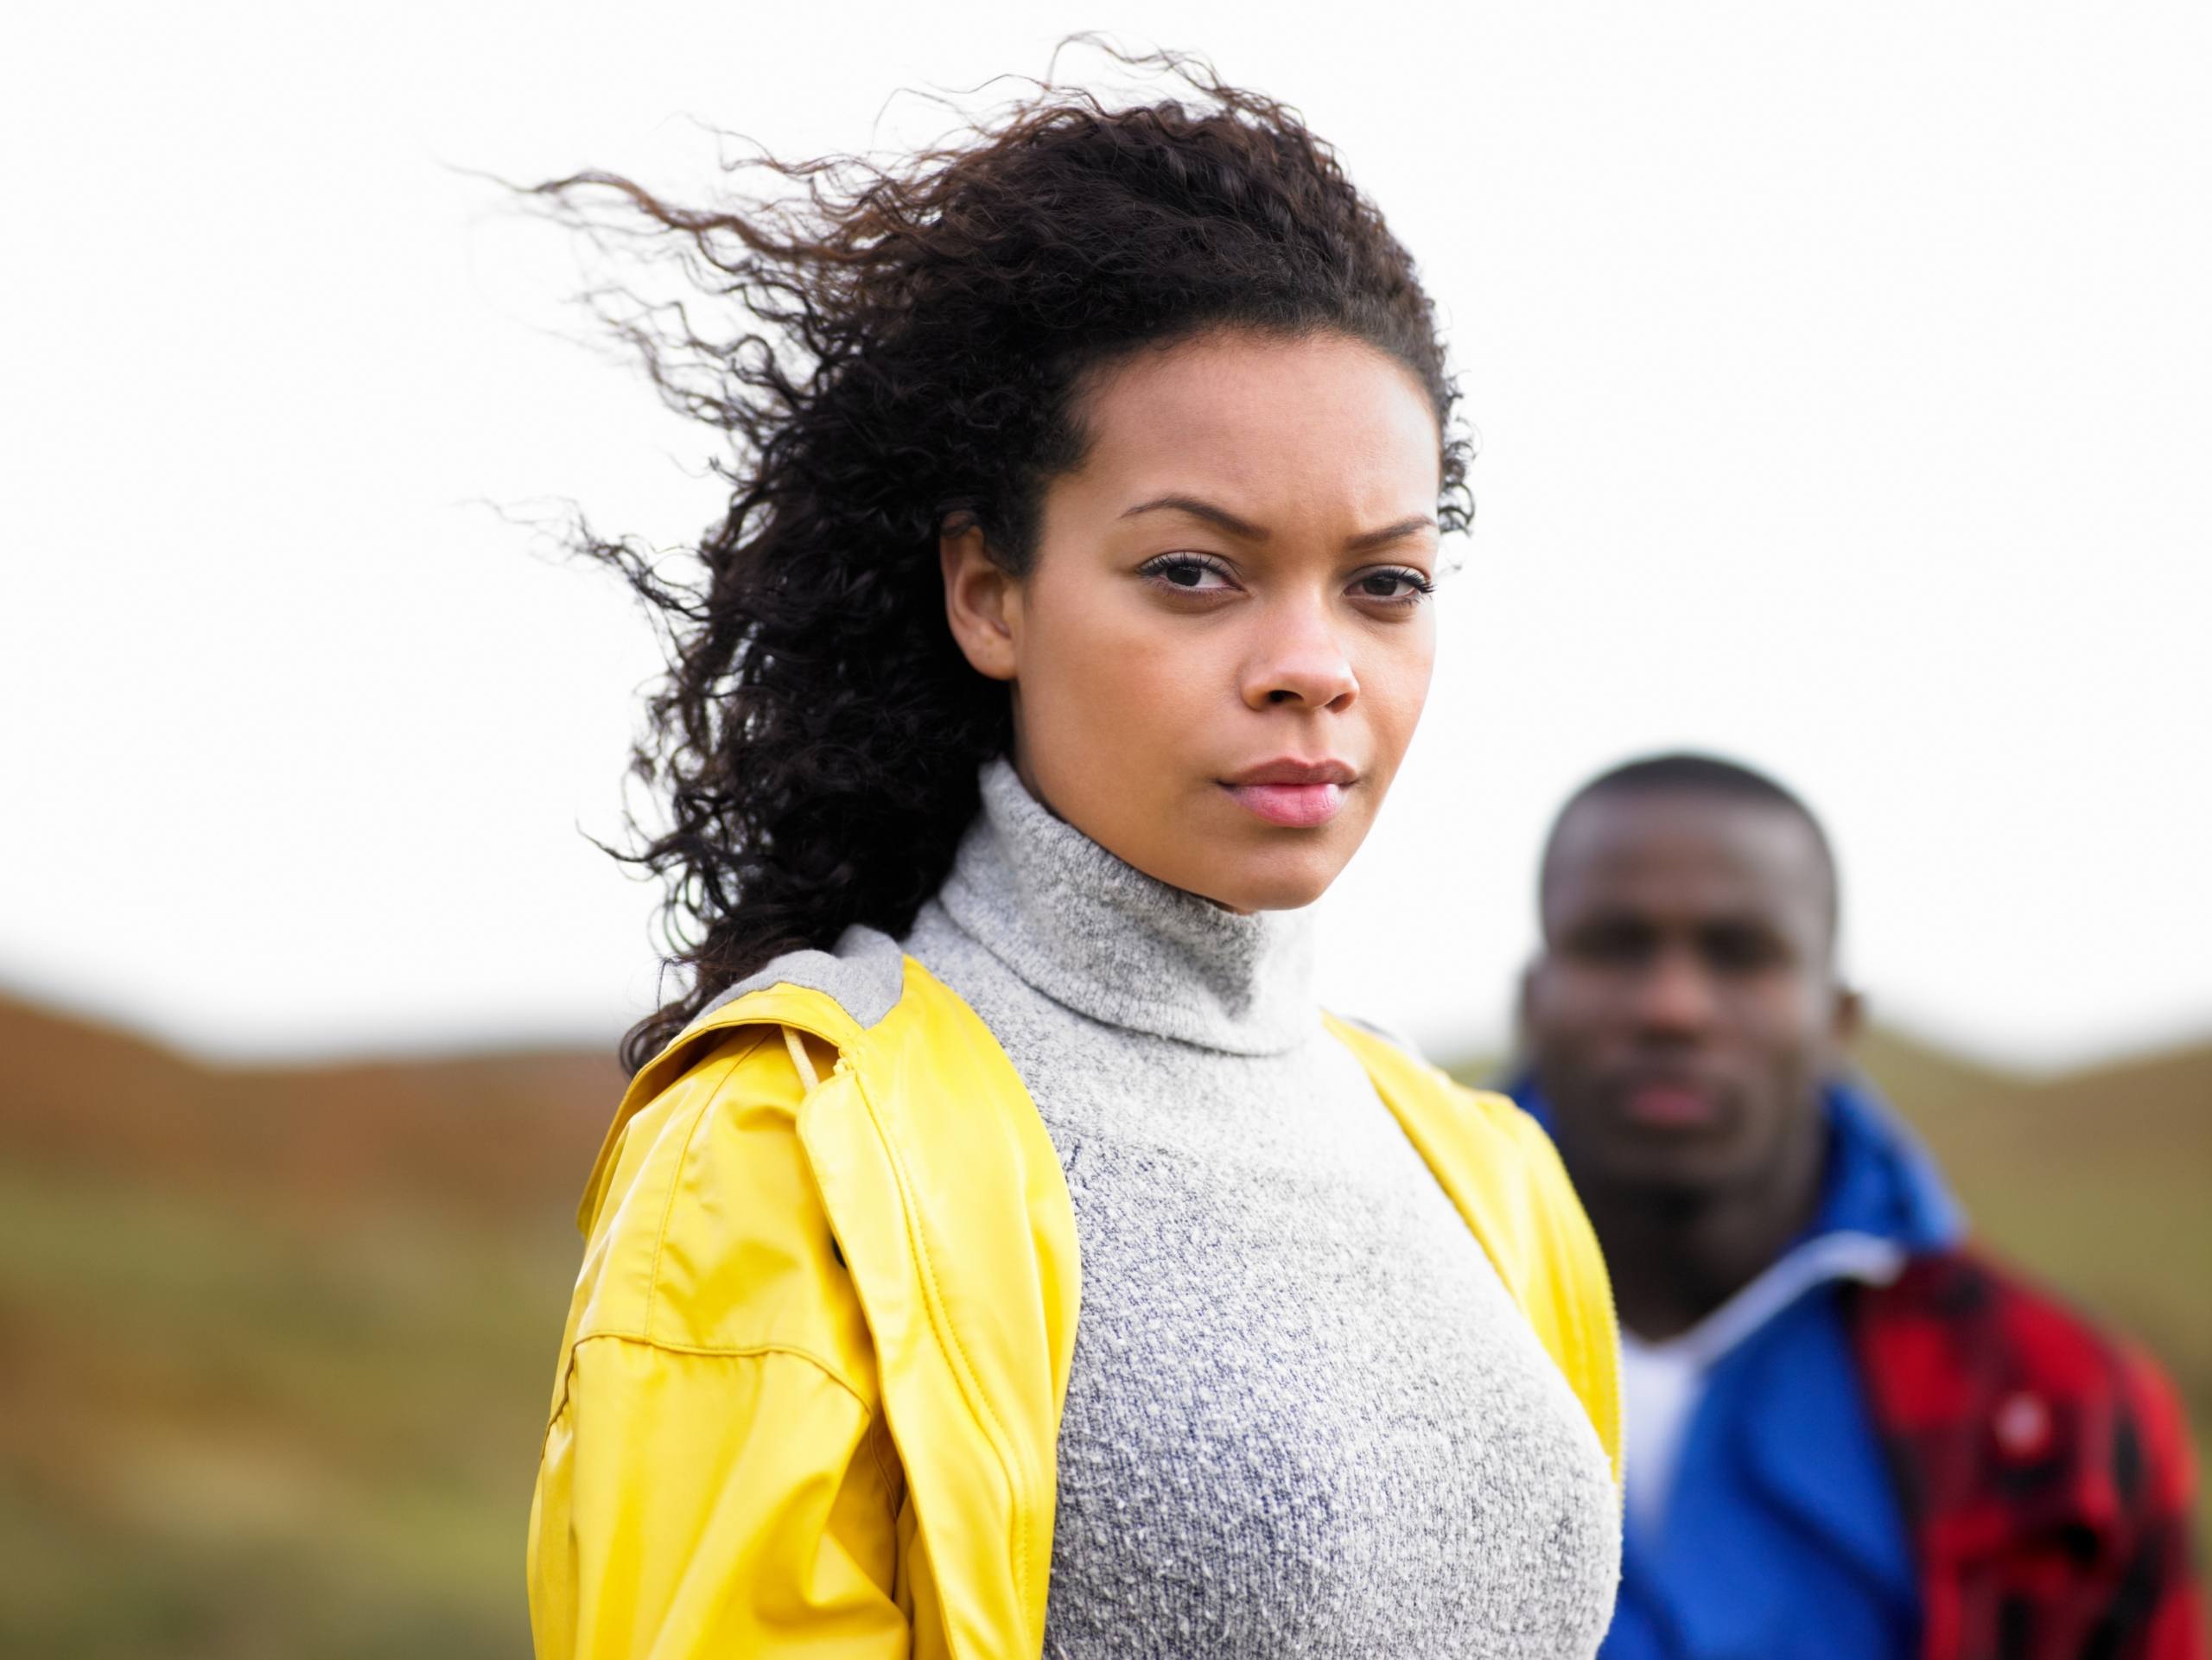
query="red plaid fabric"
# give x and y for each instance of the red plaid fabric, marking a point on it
(2045, 1471)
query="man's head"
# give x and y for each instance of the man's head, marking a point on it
(1685, 1010)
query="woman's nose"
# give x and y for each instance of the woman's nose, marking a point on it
(1299, 660)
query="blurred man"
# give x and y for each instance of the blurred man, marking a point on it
(1849, 1434)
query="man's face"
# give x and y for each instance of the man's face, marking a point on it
(1684, 1011)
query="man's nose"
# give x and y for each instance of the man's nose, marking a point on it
(1300, 660)
(1675, 996)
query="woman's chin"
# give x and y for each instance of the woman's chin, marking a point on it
(1224, 853)
(1280, 878)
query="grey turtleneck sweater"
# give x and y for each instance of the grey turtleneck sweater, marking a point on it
(1304, 1418)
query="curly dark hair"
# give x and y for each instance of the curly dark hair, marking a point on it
(909, 345)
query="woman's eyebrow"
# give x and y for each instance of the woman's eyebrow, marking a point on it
(1196, 508)
(1390, 533)
(1222, 518)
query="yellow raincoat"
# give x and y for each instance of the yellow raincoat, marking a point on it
(810, 1393)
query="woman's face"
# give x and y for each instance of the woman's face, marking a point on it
(1221, 648)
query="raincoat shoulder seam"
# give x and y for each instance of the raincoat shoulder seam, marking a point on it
(734, 1062)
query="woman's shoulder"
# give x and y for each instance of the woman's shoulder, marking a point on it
(704, 1229)
(864, 974)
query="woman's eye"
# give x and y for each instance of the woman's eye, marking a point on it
(1393, 587)
(1190, 574)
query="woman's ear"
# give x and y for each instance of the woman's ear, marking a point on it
(982, 602)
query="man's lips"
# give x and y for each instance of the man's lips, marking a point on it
(1300, 794)
(1670, 1104)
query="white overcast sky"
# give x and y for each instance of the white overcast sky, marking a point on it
(1844, 376)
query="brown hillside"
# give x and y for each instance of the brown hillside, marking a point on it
(491, 1133)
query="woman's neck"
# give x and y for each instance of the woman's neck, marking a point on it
(1103, 938)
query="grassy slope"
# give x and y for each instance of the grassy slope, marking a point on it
(275, 1347)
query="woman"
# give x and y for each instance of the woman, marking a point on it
(998, 1252)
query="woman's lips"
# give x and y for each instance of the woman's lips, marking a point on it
(1300, 806)
(1293, 790)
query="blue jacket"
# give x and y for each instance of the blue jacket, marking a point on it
(1783, 1535)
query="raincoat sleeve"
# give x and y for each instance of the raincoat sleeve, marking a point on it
(716, 1479)
(711, 1504)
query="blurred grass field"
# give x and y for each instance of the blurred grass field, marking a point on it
(275, 1345)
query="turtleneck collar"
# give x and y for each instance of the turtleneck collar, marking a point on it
(1102, 937)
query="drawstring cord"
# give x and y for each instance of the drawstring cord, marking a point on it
(800, 1059)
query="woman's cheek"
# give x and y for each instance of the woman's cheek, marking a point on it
(1114, 706)
(1399, 690)
(1165, 685)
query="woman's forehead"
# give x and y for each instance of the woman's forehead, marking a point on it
(1255, 425)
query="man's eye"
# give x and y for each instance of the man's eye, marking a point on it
(1394, 585)
(1610, 942)
(1741, 950)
